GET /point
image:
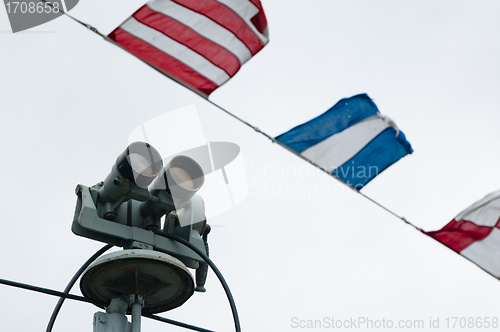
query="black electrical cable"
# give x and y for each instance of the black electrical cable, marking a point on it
(95, 302)
(72, 282)
(77, 275)
(51, 292)
(216, 271)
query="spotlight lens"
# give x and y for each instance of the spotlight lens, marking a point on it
(141, 164)
(186, 173)
(182, 178)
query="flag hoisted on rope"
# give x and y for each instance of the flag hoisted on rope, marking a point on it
(199, 43)
(352, 140)
(475, 234)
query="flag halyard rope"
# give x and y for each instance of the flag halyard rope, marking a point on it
(88, 26)
(256, 129)
(274, 140)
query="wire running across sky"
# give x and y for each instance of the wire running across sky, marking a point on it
(66, 295)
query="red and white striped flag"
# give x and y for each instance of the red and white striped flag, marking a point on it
(198, 43)
(475, 234)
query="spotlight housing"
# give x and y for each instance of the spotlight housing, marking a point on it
(135, 168)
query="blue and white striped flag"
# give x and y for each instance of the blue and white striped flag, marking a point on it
(352, 140)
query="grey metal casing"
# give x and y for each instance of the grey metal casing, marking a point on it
(89, 224)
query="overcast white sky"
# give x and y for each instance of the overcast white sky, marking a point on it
(69, 100)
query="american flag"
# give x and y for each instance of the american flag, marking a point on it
(198, 43)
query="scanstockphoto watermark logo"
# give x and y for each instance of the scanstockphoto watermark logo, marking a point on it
(26, 14)
(180, 133)
(365, 322)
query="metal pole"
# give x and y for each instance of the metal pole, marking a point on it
(114, 319)
(136, 302)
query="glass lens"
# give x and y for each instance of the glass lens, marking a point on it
(182, 178)
(141, 164)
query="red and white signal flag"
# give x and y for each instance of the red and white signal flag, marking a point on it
(475, 234)
(198, 43)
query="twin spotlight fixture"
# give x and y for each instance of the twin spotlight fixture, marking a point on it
(126, 209)
(139, 172)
